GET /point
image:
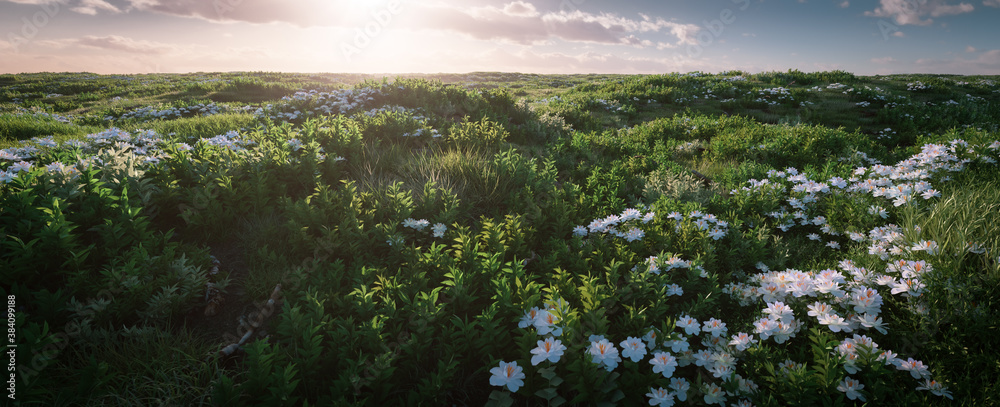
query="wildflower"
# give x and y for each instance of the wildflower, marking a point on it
(507, 374)
(648, 217)
(872, 321)
(528, 318)
(675, 289)
(650, 339)
(916, 368)
(634, 234)
(717, 234)
(813, 236)
(778, 311)
(930, 246)
(630, 214)
(851, 387)
(690, 325)
(295, 144)
(833, 245)
(439, 229)
(551, 349)
(660, 397)
(889, 357)
(714, 395)
(680, 385)
(678, 345)
(604, 353)
(702, 358)
(715, 327)
(7, 176)
(663, 363)
(580, 231)
(545, 323)
(936, 388)
(8, 156)
(742, 341)
(633, 348)
(835, 322)
(20, 166)
(416, 224)
(765, 327)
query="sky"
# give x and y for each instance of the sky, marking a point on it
(530, 36)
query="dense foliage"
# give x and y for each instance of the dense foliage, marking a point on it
(782, 238)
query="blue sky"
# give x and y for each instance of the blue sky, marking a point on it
(539, 36)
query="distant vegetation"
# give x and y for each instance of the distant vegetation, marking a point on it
(780, 238)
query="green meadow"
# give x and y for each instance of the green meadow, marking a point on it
(254, 238)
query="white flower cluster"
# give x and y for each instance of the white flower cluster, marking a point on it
(313, 103)
(437, 230)
(153, 113)
(715, 227)
(843, 303)
(628, 221)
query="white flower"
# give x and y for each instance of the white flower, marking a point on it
(916, 368)
(663, 363)
(660, 397)
(936, 388)
(604, 353)
(680, 385)
(580, 231)
(528, 318)
(416, 224)
(930, 246)
(851, 387)
(778, 311)
(690, 325)
(633, 348)
(439, 229)
(551, 349)
(714, 395)
(742, 341)
(674, 289)
(715, 327)
(507, 374)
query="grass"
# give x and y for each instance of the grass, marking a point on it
(14, 128)
(423, 322)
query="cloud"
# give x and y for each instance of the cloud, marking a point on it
(970, 49)
(520, 8)
(90, 7)
(991, 3)
(119, 43)
(986, 63)
(297, 12)
(521, 23)
(110, 42)
(912, 12)
(884, 60)
(845, 4)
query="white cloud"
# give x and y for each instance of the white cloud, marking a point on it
(90, 7)
(970, 49)
(991, 3)
(110, 42)
(986, 63)
(911, 12)
(520, 24)
(520, 8)
(845, 4)
(884, 60)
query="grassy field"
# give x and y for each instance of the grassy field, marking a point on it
(780, 238)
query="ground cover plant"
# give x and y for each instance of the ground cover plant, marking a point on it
(781, 238)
